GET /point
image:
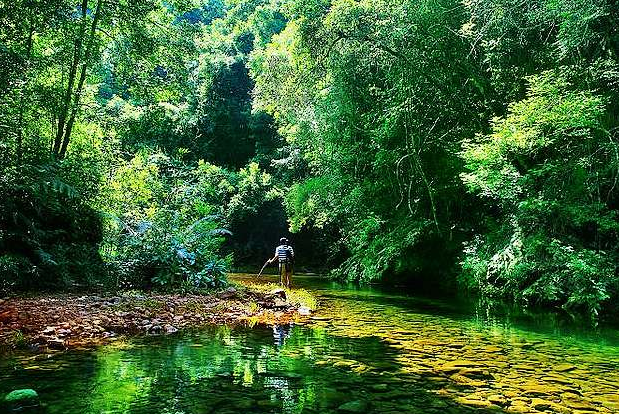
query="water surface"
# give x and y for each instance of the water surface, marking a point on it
(364, 351)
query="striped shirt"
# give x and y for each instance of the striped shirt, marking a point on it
(280, 251)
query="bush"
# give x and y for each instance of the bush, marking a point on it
(49, 235)
(159, 231)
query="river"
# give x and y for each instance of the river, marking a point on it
(364, 350)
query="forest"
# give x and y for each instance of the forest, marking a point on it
(467, 145)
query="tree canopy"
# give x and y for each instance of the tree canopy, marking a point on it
(470, 144)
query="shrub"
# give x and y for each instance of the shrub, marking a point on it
(160, 231)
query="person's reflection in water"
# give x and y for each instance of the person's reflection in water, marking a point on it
(281, 332)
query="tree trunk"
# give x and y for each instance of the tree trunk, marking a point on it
(80, 85)
(20, 121)
(66, 103)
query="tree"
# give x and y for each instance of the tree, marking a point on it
(550, 168)
(372, 95)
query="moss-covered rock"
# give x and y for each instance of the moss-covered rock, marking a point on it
(357, 406)
(20, 399)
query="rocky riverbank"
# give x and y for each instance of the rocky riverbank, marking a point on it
(63, 321)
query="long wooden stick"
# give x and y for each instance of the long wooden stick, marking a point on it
(261, 270)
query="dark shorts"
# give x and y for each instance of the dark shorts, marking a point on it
(285, 267)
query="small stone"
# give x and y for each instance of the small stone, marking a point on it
(380, 387)
(304, 311)
(564, 367)
(357, 406)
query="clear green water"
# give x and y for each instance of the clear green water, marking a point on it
(365, 350)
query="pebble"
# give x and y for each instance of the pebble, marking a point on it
(357, 406)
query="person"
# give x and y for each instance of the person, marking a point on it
(284, 254)
(281, 333)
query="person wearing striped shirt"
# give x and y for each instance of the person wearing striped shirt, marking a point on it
(284, 254)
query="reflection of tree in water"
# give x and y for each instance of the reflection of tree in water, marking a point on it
(290, 370)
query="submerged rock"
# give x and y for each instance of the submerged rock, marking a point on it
(244, 403)
(471, 401)
(564, 367)
(357, 406)
(382, 387)
(458, 365)
(498, 399)
(540, 390)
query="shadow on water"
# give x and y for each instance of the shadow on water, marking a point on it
(288, 369)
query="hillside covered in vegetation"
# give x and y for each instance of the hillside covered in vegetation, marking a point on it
(471, 144)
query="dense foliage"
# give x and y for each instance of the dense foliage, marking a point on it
(109, 109)
(467, 143)
(473, 138)
(549, 167)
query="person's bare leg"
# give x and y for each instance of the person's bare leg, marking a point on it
(288, 277)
